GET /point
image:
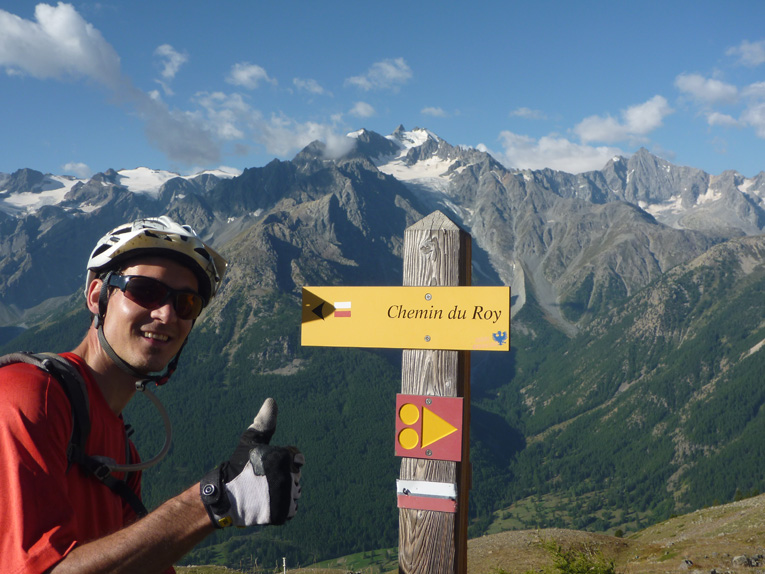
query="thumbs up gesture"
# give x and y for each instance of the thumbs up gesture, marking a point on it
(260, 483)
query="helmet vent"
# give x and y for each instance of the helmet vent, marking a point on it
(99, 250)
(203, 253)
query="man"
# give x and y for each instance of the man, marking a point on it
(146, 284)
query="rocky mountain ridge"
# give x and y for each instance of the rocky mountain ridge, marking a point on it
(578, 241)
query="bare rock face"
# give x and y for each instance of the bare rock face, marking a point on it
(577, 243)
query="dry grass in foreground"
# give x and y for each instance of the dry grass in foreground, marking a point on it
(710, 539)
(724, 538)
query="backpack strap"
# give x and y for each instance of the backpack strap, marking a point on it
(77, 393)
(99, 469)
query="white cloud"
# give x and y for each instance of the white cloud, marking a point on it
(76, 169)
(723, 120)
(754, 116)
(385, 75)
(308, 85)
(560, 153)
(637, 121)
(645, 118)
(180, 135)
(754, 91)
(171, 60)
(528, 114)
(709, 92)
(338, 145)
(248, 76)
(706, 90)
(58, 44)
(282, 136)
(435, 112)
(749, 53)
(603, 129)
(230, 118)
(553, 152)
(155, 95)
(227, 115)
(362, 110)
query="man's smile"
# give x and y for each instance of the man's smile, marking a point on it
(155, 336)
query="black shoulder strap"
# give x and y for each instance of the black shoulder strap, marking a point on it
(101, 471)
(77, 393)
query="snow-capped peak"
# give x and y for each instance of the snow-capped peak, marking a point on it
(413, 138)
(424, 172)
(150, 181)
(144, 180)
(356, 134)
(52, 189)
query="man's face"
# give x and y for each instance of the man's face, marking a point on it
(149, 339)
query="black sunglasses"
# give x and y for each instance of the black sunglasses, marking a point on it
(152, 294)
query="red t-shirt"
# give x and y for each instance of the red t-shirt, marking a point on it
(45, 510)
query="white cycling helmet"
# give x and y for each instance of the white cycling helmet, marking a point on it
(159, 236)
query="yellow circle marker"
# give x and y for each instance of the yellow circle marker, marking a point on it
(409, 414)
(408, 438)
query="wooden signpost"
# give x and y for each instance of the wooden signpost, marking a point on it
(437, 318)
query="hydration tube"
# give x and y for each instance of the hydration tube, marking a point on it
(112, 464)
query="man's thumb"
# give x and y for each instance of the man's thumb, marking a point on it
(265, 422)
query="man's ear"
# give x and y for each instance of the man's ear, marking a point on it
(92, 296)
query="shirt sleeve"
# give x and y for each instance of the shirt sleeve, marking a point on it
(37, 521)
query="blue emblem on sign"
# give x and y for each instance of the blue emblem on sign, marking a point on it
(500, 337)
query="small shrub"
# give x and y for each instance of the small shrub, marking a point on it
(584, 560)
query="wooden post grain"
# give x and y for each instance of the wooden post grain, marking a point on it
(436, 253)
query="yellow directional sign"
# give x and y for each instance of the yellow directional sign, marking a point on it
(454, 318)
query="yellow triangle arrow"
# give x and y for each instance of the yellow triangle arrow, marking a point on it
(434, 428)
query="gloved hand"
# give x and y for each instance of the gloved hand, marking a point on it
(259, 484)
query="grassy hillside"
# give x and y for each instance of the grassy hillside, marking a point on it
(713, 538)
(655, 407)
(727, 538)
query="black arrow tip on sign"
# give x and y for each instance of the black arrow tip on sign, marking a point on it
(318, 311)
(315, 307)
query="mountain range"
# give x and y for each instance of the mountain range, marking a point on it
(632, 389)
(571, 238)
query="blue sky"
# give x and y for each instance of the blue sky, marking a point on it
(190, 85)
